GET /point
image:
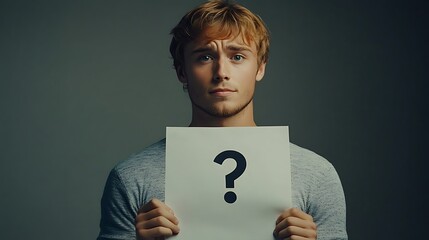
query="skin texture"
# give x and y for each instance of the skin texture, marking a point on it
(221, 76)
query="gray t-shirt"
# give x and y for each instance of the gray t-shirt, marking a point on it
(316, 190)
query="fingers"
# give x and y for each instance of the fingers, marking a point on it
(158, 212)
(154, 233)
(295, 237)
(295, 224)
(294, 232)
(155, 220)
(294, 212)
(152, 204)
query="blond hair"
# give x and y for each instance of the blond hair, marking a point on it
(219, 19)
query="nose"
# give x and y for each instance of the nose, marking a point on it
(221, 70)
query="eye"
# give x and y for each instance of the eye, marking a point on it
(238, 58)
(205, 58)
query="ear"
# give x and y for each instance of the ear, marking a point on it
(181, 75)
(261, 71)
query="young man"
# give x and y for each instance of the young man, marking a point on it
(220, 50)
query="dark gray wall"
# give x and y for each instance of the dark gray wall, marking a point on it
(83, 84)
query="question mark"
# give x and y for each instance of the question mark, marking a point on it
(231, 197)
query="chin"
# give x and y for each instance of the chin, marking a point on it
(223, 111)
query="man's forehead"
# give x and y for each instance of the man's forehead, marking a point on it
(208, 42)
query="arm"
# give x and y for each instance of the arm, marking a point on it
(117, 211)
(325, 211)
(327, 206)
(121, 220)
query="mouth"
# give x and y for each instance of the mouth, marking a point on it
(222, 92)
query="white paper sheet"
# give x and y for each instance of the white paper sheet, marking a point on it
(195, 184)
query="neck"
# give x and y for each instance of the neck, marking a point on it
(242, 119)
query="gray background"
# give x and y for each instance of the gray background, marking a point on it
(84, 84)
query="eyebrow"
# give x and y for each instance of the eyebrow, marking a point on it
(201, 49)
(238, 48)
(232, 47)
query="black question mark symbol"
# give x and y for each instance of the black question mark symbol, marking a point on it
(231, 197)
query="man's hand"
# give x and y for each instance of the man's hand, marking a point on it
(295, 224)
(156, 221)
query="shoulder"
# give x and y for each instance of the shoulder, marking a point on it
(149, 156)
(319, 192)
(150, 161)
(306, 161)
(128, 186)
(312, 176)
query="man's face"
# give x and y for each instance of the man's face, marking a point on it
(221, 75)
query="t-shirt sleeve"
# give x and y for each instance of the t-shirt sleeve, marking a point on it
(117, 213)
(329, 207)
